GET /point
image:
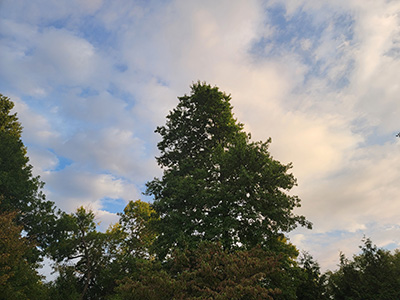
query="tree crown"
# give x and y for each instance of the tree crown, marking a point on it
(217, 184)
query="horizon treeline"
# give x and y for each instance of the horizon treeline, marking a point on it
(215, 230)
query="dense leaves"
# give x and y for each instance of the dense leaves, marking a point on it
(372, 275)
(20, 191)
(135, 228)
(312, 283)
(82, 245)
(91, 262)
(217, 184)
(18, 277)
(208, 272)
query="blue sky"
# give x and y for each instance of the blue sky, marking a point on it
(92, 79)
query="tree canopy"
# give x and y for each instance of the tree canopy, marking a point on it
(218, 185)
(374, 274)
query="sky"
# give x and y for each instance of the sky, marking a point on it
(92, 79)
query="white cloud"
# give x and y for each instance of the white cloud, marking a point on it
(68, 58)
(106, 219)
(362, 199)
(36, 128)
(48, 11)
(37, 60)
(377, 65)
(73, 187)
(113, 150)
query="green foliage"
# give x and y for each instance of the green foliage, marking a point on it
(136, 231)
(65, 286)
(217, 184)
(83, 246)
(372, 275)
(18, 277)
(312, 282)
(208, 272)
(9, 122)
(91, 262)
(149, 281)
(19, 189)
(200, 123)
(288, 279)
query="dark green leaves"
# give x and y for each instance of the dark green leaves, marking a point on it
(217, 184)
(207, 272)
(372, 275)
(19, 190)
(9, 122)
(18, 277)
(198, 124)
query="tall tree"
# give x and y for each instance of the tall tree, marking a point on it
(19, 190)
(218, 185)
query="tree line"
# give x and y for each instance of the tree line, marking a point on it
(215, 230)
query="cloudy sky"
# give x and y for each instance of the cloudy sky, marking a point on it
(92, 79)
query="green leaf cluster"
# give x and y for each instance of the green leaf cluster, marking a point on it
(20, 191)
(18, 277)
(208, 272)
(372, 275)
(218, 185)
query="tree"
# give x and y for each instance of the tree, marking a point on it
(312, 282)
(20, 191)
(373, 274)
(65, 287)
(149, 280)
(18, 277)
(128, 247)
(207, 272)
(217, 184)
(137, 234)
(210, 272)
(81, 252)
